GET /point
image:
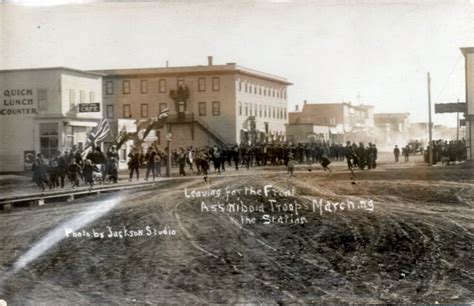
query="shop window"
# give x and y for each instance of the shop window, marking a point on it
(42, 99)
(162, 86)
(215, 84)
(202, 84)
(144, 86)
(126, 87)
(69, 137)
(48, 139)
(110, 111)
(126, 111)
(144, 110)
(216, 108)
(202, 108)
(109, 88)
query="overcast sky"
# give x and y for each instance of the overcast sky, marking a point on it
(375, 52)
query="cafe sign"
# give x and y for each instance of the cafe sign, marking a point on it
(89, 107)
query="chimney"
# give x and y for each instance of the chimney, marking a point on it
(209, 60)
(296, 108)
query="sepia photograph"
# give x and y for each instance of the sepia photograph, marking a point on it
(236, 152)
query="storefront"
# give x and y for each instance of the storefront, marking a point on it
(42, 111)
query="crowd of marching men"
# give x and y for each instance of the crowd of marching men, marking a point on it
(101, 167)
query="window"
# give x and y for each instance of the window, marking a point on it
(162, 85)
(91, 97)
(255, 110)
(144, 86)
(215, 84)
(144, 110)
(240, 85)
(126, 87)
(162, 106)
(72, 98)
(69, 137)
(110, 111)
(82, 96)
(255, 90)
(180, 82)
(202, 84)
(126, 111)
(251, 110)
(246, 87)
(265, 111)
(260, 110)
(109, 88)
(260, 91)
(240, 108)
(202, 109)
(48, 139)
(246, 109)
(42, 99)
(265, 92)
(216, 108)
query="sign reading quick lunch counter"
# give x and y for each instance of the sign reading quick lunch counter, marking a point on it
(17, 102)
(89, 107)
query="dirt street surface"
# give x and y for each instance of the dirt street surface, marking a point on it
(403, 233)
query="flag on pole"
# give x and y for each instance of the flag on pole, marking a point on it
(96, 135)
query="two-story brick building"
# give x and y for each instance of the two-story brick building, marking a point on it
(212, 104)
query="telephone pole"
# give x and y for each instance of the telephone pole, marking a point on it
(430, 151)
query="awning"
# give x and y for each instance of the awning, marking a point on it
(82, 123)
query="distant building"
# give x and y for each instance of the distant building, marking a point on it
(469, 70)
(391, 128)
(45, 110)
(342, 121)
(213, 104)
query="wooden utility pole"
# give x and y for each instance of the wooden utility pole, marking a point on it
(430, 152)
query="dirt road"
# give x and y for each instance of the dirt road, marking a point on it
(401, 234)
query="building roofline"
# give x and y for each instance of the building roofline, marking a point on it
(227, 68)
(391, 114)
(466, 50)
(54, 68)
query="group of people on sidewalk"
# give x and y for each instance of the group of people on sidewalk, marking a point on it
(96, 167)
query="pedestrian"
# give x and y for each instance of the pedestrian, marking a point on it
(291, 165)
(39, 172)
(406, 153)
(182, 162)
(325, 163)
(396, 153)
(134, 164)
(150, 163)
(88, 172)
(73, 170)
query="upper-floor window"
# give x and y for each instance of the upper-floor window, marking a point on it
(109, 88)
(126, 87)
(42, 99)
(82, 96)
(144, 110)
(240, 85)
(260, 90)
(216, 84)
(72, 98)
(110, 111)
(246, 109)
(216, 108)
(202, 84)
(260, 110)
(126, 111)
(91, 97)
(202, 108)
(162, 85)
(144, 86)
(240, 108)
(180, 82)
